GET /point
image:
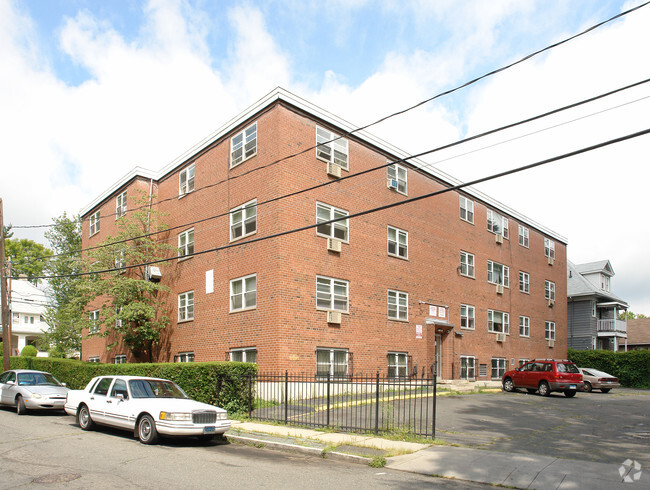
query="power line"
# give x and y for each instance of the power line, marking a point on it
(361, 128)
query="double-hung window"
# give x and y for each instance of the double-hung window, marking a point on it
(396, 175)
(549, 290)
(467, 317)
(243, 220)
(186, 180)
(498, 367)
(94, 322)
(94, 223)
(120, 259)
(398, 242)
(332, 294)
(120, 205)
(338, 229)
(467, 367)
(243, 145)
(549, 248)
(243, 293)
(498, 322)
(524, 282)
(397, 365)
(248, 354)
(549, 330)
(524, 326)
(398, 305)
(466, 209)
(332, 361)
(523, 236)
(186, 306)
(331, 148)
(497, 224)
(119, 359)
(498, 274)
(186, 243)
(466, 264)
(93, 359)
(185, 357)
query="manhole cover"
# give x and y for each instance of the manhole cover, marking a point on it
(640, 435)
(60, 478)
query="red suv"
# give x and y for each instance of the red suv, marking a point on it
(545, 376)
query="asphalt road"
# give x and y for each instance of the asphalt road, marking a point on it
(49, 449)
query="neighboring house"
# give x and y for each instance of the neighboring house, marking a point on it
(638, 334)
(457, 280)
(593, 310)
(28, 305)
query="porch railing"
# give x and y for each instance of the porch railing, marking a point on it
(612, 325)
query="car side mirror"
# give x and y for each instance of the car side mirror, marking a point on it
(11, 382)
(121, 397)
(63, 384)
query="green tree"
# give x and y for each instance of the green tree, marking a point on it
(629, 315)
(6, 231)
(28, 258)
(132, 307)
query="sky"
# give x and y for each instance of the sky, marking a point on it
(89, 90)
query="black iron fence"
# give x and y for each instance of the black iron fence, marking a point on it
(356, 404)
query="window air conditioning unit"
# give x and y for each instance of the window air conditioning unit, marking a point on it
(551, 261)
(334, 170)
(550, 342)
(154, 274)
(551, 303)
(498, 238)
(333, 317)
(501, 337)
(499, 289)
(334, 245)
(392, 183)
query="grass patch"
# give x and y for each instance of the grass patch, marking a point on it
(377, 462)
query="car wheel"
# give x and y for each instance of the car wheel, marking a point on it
(570, 393)
(544, 389)
(21, 409)
(147, 432)
(83, 418)
(508, 385)
(605, 390)
(531, 390)
(587, 388)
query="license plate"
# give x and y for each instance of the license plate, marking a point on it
(572, 387)
(208, 430)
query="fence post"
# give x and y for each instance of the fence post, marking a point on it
(250, 396)
(377, 405)
(435, 385)
(286, 397)
(328, 400)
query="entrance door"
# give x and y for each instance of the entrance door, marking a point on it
(438, 353)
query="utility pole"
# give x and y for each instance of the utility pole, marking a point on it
(4, 298)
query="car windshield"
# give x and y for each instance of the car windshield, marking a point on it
(155, 388)
(37, 379)
(600, 374)
(566, 368)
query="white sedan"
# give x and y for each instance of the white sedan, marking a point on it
(147, 406)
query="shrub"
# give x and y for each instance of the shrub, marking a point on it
(29, 351)
(632, 368)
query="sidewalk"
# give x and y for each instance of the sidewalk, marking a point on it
(477, 465)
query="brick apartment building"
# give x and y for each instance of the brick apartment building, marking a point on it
(458, 280)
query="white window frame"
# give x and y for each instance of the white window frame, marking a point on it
(246, 297)
(186, 243)
(245, 352)
(399, 175)
(120, 259)
(119, 359)
(332, 284)
(339, 230)
(498, 224)
(398, 305)
(524, 236)
(186, 180)
(94, 223)
(467, 366)
(467, 317)
(523, 361)
(93, 359)
(185, 357)
(524, 326)
(524, 282)
(94, 321)
(549, 248)
(467, 264)
(246, 144)
(605, 282)
(466, 209)
(549, 290)
(331, 364)
(399, 242)
(186, 306)
(241, 218)
(120, 205)
(500, 369)
(549, 330)
(332, 148)
(493, 276)
(505, 321)
(398, 365)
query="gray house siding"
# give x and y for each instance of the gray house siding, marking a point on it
(582, 326)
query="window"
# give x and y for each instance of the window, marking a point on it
(524, 326)
(524, 282)
(467, 367)
(498, 322)
(332, 361)
(244, 355)
(549, 290)
(120, 260)
(105, 383)
(94, 322)
(549, 330)
(243, 145)
(243, 220)
(28, 319)
(467, 317)
(397, 365)
(119, 359)
(186, 243)
(522, 362)
(523, 236)
(466, 209)
(119, 388)
(338, 229)
(498, 367)
(396, 175)
(186, 306)
(466, 264)
(94, 223)
(120, 205)
(119, 323)
(549, 248)
(331, 148)
(604, 282)
(497, 224)
(398, 242)
(498, 274)
(93, 359)
(243, 293)
(398, 305)
(185, 357)
(593, 309)
(331, 294)
(186, 180)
